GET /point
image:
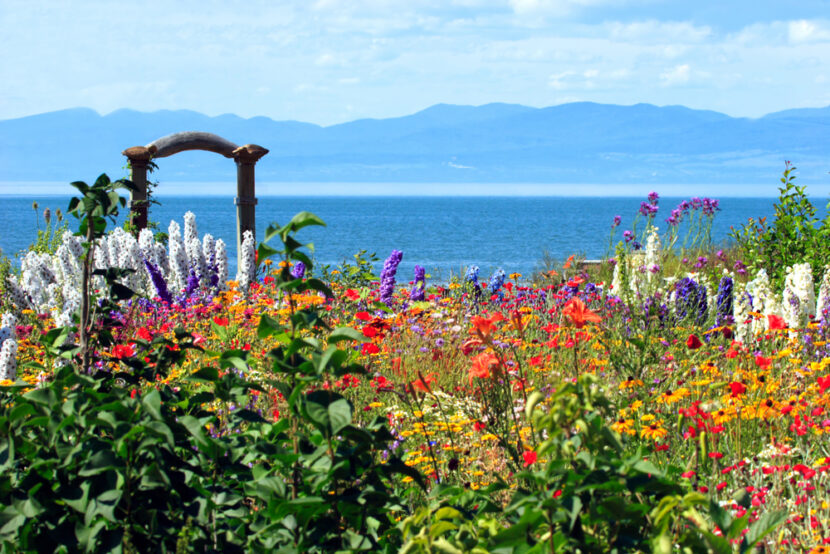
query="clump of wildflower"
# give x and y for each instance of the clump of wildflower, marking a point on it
(387, 276)
(690, 300)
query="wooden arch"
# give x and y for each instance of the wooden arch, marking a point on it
(245, 157)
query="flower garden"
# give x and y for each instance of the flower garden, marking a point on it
(674, 398)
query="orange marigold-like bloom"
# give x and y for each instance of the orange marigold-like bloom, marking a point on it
(579, 314)
(654, 431)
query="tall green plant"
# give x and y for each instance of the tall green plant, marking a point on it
(796, 235)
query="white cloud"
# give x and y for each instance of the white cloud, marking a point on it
(678, 75)
(802, 31)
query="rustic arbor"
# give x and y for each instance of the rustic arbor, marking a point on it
(245, 157)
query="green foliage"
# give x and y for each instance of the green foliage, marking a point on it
(796, 235)
(359, 273)
(49, 239)
(584, 493)
(90, 463)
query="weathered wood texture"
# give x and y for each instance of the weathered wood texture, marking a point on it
(192, 140)
(245, 157)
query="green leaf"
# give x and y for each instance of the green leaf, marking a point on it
(761, 528)
(346, 333)
(206, 373)
(152, 403)
(268, 326)
(329, 411)
(304, 219)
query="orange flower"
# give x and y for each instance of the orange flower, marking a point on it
(482, 366)
(484, 327)
(579, 314)
(423, 383)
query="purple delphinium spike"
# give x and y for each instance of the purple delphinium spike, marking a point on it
(387, 276)
(417, 293)
(158, 282)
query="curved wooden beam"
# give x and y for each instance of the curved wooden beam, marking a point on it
(192, 140)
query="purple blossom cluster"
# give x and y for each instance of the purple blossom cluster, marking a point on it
(707, 205)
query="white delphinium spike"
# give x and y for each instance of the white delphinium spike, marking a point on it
(178, 266)
(763, 300)
(792, 309)
(16, 293)
(616, 280)
(246, 272)
(8, 359)
(741, 306)
(189, 227)
(146, 244)
(653, 253)
(161, 258)
(7, 329)
(221, 264)
(68, 265)
(823, 302)
(197, 258)
(73, 243)
(209, 255)
(799, 279)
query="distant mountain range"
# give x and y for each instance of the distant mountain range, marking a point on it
(495, 143)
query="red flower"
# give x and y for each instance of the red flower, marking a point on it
(144, 333)
(352, 294)
(763, 363)
(824, 383)
(776, 322)
(363, 316)
(369, 348)
(737, 389)
(693, 342)
(221, 321)
(122, 351)
(530, 457)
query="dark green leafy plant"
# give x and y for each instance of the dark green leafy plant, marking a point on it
(796, 235)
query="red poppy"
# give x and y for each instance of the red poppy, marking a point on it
(144, 333)
(763, 363)
(352, 294)
(530, 457)
(737, 389)
(693, 342)
(824, 383)
(776, 322)
(221, 321)
(369, 331)
(579, 314)
(363, 316)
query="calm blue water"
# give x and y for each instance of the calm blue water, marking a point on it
(443, 234)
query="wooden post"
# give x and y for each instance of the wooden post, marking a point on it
(139, 157)
(246, 158)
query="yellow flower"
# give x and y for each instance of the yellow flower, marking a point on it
(670, 397)
(624, 426)
(654, 431)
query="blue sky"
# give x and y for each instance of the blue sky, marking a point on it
(329, 61)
